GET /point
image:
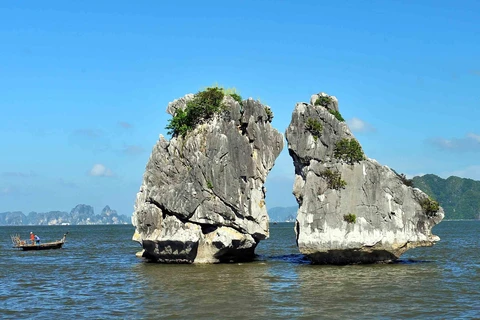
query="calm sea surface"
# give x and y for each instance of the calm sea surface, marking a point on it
(96, 275)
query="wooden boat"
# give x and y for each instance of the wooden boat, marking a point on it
(27, 245)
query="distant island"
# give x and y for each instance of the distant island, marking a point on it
(82, 214)
(282, 214)
(459, 197)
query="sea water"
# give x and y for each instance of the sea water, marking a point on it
(97, 275)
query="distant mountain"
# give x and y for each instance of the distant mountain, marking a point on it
(459, 197)
(81, 214)
(283, 214)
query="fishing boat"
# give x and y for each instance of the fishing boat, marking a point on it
(27, 245)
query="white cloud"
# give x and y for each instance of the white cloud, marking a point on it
(473, 136)
(99, 170)
(358, 125)
(11, 191)
(6, 190)
(411, 175)
(470, 172)
(90, 133)
(67, 184)
(125, 125)
(133, 149)
(90, 139)
(471, 142)
(443, 143)
(18, 174)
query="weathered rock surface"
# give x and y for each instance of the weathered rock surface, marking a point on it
(389, 218)
(202, 199)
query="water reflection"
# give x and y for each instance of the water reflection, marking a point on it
(204, 291)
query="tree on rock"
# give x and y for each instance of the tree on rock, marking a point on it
(349, 150)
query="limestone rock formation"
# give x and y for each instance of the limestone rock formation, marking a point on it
(202, 199)
(351, 208)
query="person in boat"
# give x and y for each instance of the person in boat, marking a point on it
(37, 239)
(32, 237)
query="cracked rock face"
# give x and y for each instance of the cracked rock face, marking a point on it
(375, 217)
(202, 199)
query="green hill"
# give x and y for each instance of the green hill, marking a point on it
(459, 197)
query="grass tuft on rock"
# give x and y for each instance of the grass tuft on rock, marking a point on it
(314, 127)
(350, 218)
(323, 101)
(337, 115)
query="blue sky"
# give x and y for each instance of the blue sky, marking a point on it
(84, 85)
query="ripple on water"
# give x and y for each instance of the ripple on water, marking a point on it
(97, 275)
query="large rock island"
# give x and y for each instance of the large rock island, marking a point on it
(351, 208)
(202, 199)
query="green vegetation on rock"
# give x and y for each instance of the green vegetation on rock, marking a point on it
(232, 92)
(209, 184)
(202, 107)
(349, 150)
(404, 179)
(459, 197)
(334, 179)
(323, 101)
(350, 218)
(430, 206)
(337, 115)
(236, 97)
(269, 113)
(314, 127)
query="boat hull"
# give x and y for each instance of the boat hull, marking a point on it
(44, 246)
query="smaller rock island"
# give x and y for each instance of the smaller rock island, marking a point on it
(351, 208)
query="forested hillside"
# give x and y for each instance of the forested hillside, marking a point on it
(459, 197)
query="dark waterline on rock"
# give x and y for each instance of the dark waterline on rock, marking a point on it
(96, 275)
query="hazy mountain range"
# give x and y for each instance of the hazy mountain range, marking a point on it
(282, 214)
(81, 214)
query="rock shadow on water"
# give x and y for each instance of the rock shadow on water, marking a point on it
(288, 258)
(300, 259)
(411, 261)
